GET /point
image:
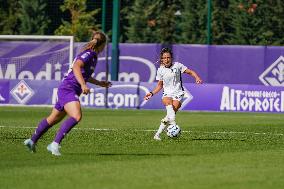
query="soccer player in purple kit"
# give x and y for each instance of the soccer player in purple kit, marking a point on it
(68, 94)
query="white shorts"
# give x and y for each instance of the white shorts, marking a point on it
(179, 96)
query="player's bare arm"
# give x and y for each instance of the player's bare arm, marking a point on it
(192, 73)
(106, 84)
(77, 72)
(155, 91)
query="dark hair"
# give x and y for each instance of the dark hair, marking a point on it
(165, 50)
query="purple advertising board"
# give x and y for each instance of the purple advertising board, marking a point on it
(227, 64)
(130, 95)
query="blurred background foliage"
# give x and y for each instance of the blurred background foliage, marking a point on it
(242, 22)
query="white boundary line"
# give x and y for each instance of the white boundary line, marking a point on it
(149, 130)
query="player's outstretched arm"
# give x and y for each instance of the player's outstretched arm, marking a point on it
(155, 91)
(106, 84)
(192, 73)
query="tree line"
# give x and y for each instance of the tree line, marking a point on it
(242, 22)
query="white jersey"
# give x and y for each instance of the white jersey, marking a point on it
(171, 77)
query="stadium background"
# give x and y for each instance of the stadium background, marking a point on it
(196, 31)
(252, 22)
(241, 61)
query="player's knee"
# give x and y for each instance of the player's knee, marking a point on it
(77, 117)
(51, 121)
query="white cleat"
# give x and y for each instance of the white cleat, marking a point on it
(30, 145)
(54, 149)
(157, 137)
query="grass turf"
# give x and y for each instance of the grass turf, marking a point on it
(115, 149)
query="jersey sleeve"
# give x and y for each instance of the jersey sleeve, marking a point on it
(182, 67)
(85, 56)
(159, 76)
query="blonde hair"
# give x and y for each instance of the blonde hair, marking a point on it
(98, 39)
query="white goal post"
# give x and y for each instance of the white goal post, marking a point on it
(39, 37)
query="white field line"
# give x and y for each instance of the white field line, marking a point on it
(149, 130)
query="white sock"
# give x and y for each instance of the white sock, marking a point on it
(171, 114)
(161, 128)
(165, 120)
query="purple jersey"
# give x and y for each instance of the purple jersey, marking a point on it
(89, 58)
(70, 89)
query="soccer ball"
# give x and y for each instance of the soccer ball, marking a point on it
(173, 131)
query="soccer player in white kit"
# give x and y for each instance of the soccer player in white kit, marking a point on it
(169, 78)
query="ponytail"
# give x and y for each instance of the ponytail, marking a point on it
(98, 39)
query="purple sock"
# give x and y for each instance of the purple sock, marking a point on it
(66, 126)
(42, 127)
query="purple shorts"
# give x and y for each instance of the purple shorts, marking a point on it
(65, 95)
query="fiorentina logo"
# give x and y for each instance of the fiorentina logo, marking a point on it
(274, 74)
(22, 92)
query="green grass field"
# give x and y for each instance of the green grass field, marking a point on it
(115, 149)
